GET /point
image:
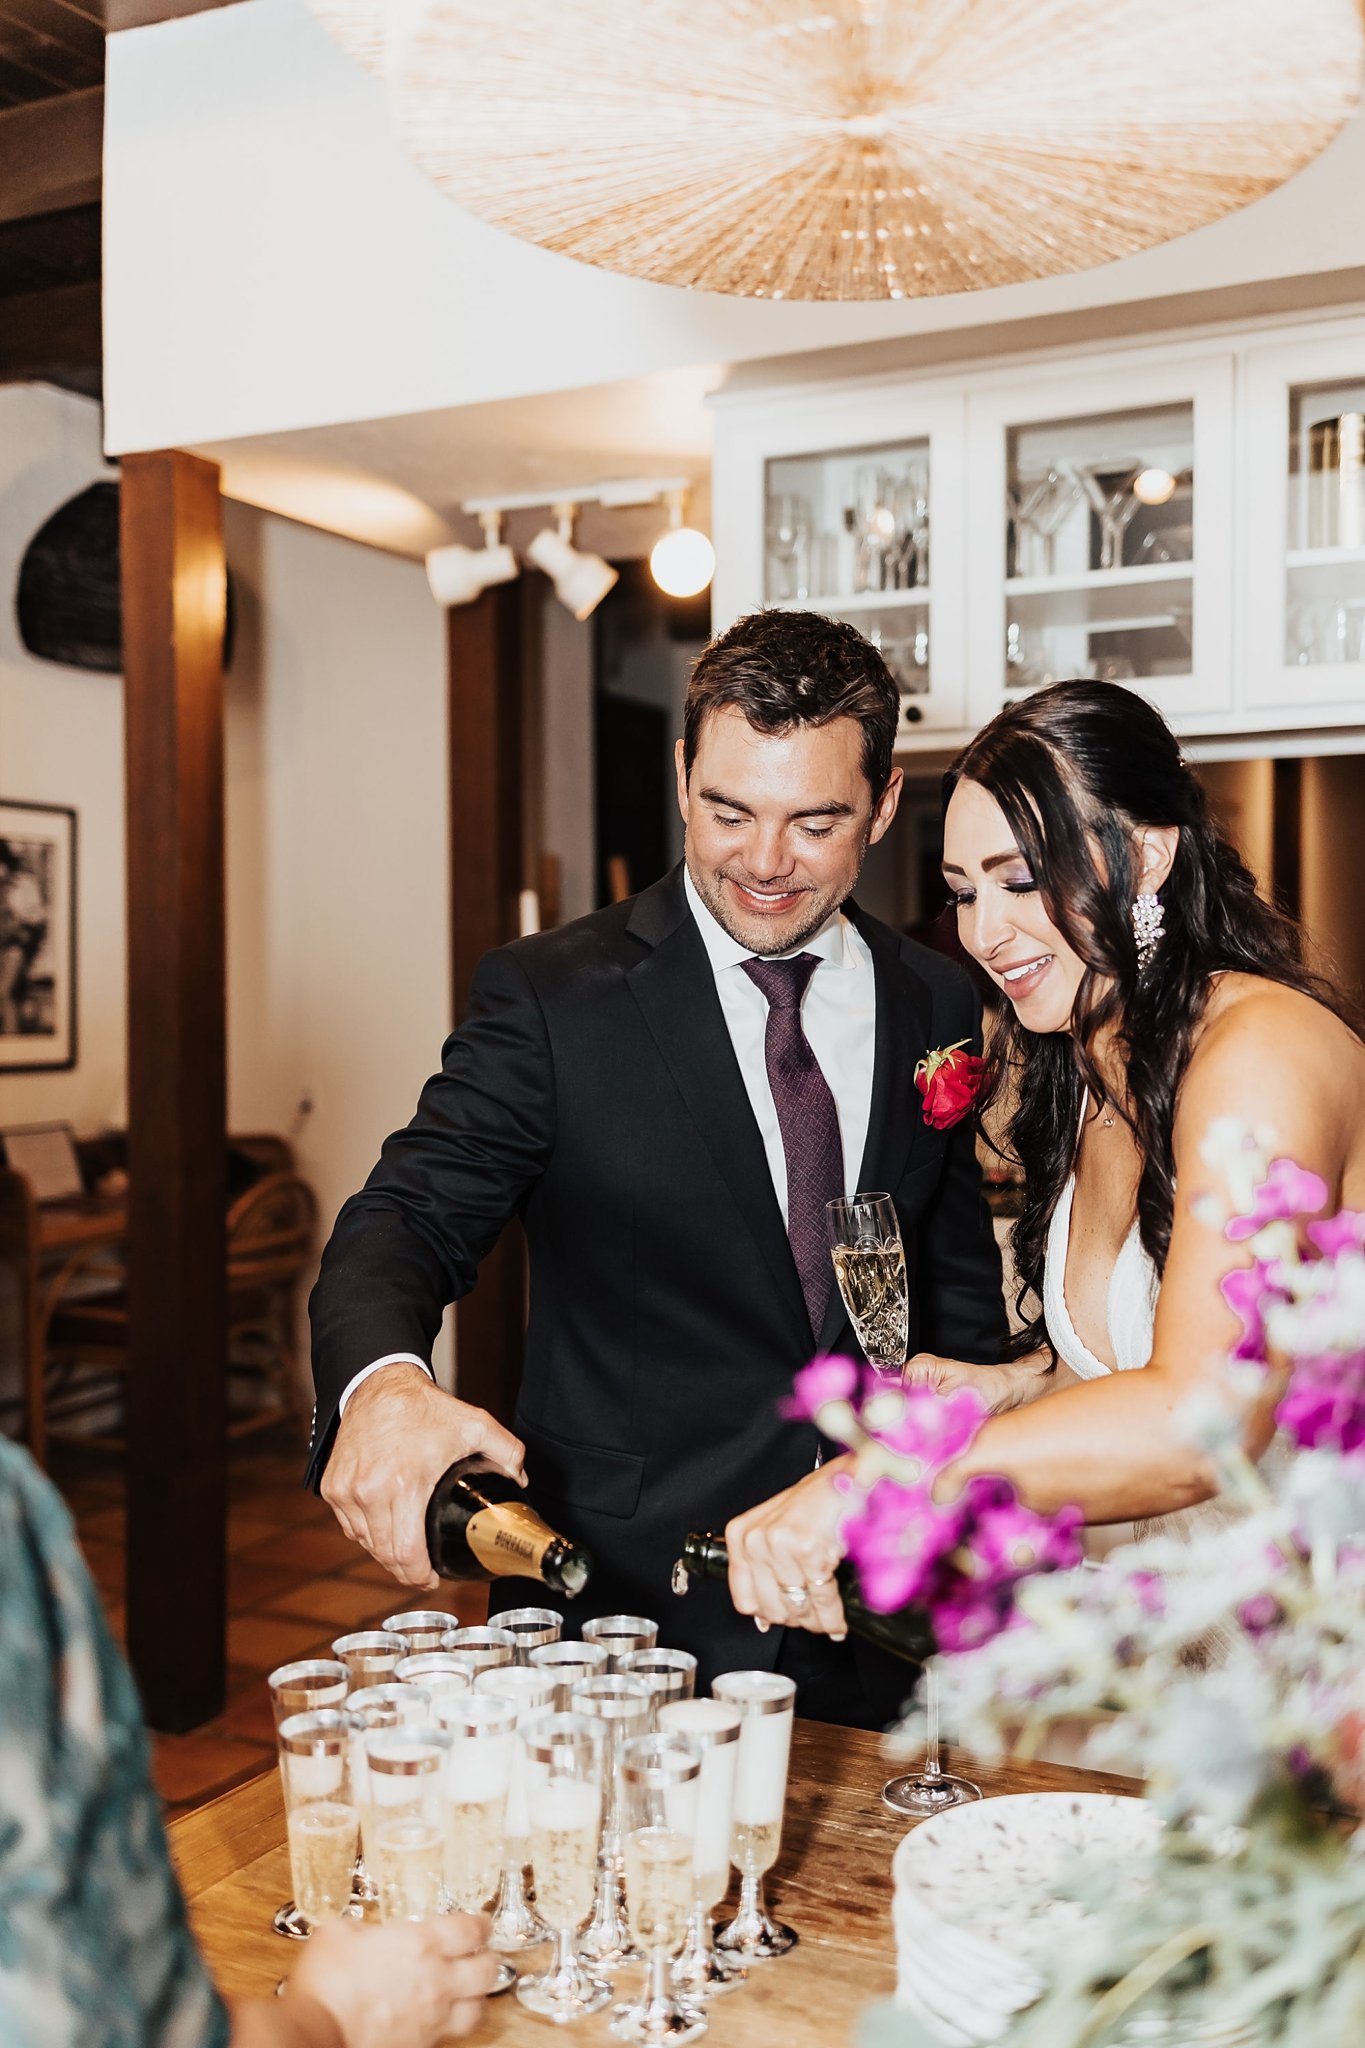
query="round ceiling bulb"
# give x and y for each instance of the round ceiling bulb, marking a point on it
(682, 562)
(1153, 486)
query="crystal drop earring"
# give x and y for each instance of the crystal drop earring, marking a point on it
(1148, 919)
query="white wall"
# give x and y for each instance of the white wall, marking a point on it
(273, 259)
(337, 897)
(61, 742)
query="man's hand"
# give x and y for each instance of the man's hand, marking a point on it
(396, 1438)
(784, 1553)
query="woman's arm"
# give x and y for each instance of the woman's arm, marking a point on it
(1001, 1387)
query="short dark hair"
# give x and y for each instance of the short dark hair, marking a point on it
(783, 669)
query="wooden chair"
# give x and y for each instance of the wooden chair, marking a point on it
(271, 1230)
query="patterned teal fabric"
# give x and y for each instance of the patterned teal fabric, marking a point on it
(95, 1951)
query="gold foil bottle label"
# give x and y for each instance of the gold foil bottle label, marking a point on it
(509, 1540)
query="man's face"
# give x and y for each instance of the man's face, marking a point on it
(777, 825)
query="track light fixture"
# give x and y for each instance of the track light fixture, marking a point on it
(457, 575)
(581, 581)
(682, 561)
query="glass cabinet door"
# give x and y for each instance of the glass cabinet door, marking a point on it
(1304, 456)
(849, 533)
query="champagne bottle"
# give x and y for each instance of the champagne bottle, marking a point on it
(480, 1525)
(907, 1634)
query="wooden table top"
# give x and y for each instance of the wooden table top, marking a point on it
(832, 1883)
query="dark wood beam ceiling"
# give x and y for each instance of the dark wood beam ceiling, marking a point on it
(49, 47)
(119, 14)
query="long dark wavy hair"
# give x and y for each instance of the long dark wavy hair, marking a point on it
(1077, 769)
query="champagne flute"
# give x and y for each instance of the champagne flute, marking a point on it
(766, 1704)
(625, 1707)
(700, 1972)
(533, 1628)
(422, 1628)
(516, 1924)
(659, 1775)
(564, 1777)
(932, 1789)
(375, 1706)
(302, 1688)
(620, 1634)
(435, 1671)
(370, 1655)
(485, 1648)
(482, 1727)
(567, 1664)
(323, 1825)
(669, 1674)
(869, 1265)
(407, 1769)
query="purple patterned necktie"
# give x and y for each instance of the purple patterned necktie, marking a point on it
(808, 1121)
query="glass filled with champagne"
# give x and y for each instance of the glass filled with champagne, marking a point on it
(303, 1688)
(766, 1705)
(869, 1265)
(405, 1842)
(516, 1924)
(564, 1757)
(482, 1727)
(660, 1777)
(321, 1819)
(375, 1706)
(713, 1729)
(625, 1707)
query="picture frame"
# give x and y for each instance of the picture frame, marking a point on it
(37, 937)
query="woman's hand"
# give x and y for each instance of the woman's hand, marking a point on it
(1001, 1387)
(401, 1986)
(784, 1554)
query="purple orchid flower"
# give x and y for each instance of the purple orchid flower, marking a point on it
(1344, 1232)
(1324, 1406)
(827, 1378)
(1286, 1192)
(897, 1541)
(934, 1427)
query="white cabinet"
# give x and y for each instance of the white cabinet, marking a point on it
(1186, 517)
(1303, 456)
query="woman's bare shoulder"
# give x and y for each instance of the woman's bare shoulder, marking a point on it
(1246, 1011)
(1264, 1049)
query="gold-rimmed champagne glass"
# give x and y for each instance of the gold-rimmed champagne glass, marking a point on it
(766, 1705)
(659, 1776)
(564, 1783)
(869, 1265)
(306, 1686)
(713, 1728)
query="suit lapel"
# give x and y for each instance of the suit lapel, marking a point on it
(894, 1120)
(676, 991)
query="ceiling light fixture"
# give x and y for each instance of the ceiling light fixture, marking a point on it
(458, 575)
(581, 581)
(682, 561)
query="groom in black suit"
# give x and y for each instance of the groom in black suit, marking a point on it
(667, 1093)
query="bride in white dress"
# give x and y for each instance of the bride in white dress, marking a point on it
(1148, 992)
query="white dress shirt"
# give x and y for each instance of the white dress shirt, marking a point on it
(838, 1016)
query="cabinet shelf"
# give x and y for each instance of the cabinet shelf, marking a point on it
(1100, 579)
(1325, 558)
(857, 601)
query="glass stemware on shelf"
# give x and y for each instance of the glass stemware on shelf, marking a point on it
(766, 1703)
(564, 1786)
(659, 1777)
(701, 1972)
(1041, 506)
(869, 1265)
(1109, 488)
(789, 544)
(307, 1686)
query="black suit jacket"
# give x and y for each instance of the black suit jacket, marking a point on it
(593, 1090)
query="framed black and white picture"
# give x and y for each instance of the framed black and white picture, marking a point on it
(37, 936)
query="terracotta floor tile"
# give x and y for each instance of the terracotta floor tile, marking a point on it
(193, 1767)
(261, 1641)
(346, 1603)
(253, 1583)
(248, 1716)
(310, 1551)
(106, 1526)
(247, 1530)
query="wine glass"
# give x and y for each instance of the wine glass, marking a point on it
(766, 1704)
(302, 1688)
(533, 1628)
(407, 1770)
(869, 1264)
(619, 1634)
(932, 1789)
(482, 1727)
(659, 1783)
(625, 1707)
(788, 537)
(321, 1819)
(700, 1971)
(516, 1924)
(370, 1655)
(564, 1777)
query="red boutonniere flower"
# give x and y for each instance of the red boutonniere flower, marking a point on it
(949, 1079)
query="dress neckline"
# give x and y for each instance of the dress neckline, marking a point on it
(1062, 1329)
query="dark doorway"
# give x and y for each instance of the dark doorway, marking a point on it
(632, 748)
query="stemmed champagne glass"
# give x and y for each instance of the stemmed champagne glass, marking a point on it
(869, 1265)
(485, 1648)
(700, 1971)
(391, 1705)
(422, 1628)
(405, 1838)
(567, 1664)
(788, 538)
(766, 1704)
(323, 1825)
(516, 1924)
(533, 1627)
(303, 1688)
(659, 1780)
(482, 1728)
(564, 1779)
(620, 1634)
(625, 1707)
(669, 1674)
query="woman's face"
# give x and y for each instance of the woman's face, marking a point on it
(1001, 918)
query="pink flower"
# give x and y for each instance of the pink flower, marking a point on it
(1324, 1406)
(827, 1378)
(1005, 1540)
(1149, 1592)
(934, 1427)
(969, 1614)
(896, 1543)
(1286, 1192)
(1248, 1291)
(1337, 1234)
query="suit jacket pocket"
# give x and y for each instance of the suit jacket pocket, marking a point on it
(581, 1475)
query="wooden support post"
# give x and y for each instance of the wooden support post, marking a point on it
(1286, 827)
(485, 695)
(174, 584)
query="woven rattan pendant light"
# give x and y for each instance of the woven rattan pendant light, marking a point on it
(857, 149)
